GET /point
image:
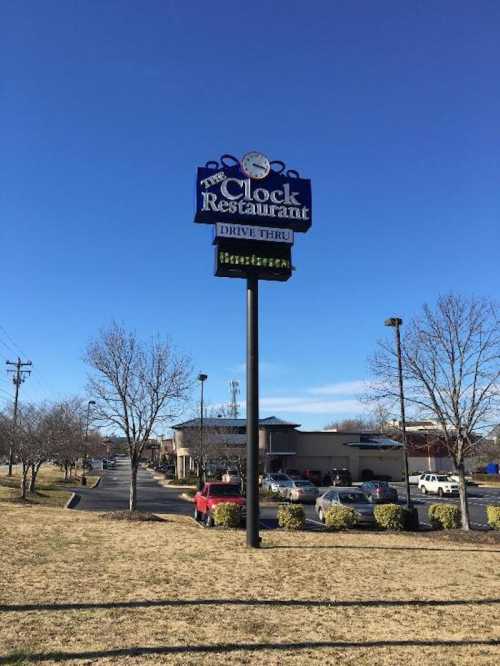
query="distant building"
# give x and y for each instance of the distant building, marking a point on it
(283, 446)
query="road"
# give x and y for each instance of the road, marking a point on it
(112, 495)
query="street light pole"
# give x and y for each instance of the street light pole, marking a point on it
(201, 468)
(396, 322)
(84, 462)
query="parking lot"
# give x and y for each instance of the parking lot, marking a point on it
(112, 494)
(479, 499)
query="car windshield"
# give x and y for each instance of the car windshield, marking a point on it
(443, 478)
(380, 484)
(279, 477)
(224, 490)
(301, 484)
(353, 498)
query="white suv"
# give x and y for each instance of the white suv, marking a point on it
(437, 483)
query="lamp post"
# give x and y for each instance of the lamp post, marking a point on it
(201, 467)
(396, 322)
(84, 463)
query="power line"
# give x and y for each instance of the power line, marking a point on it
(14, 347)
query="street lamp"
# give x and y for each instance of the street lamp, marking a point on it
(84, 464)
(396, 322)
(201, 378)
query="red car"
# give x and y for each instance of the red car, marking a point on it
(215, 492)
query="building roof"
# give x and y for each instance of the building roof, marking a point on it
(220, 422)
(495, 432)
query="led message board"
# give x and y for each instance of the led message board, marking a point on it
(241, 259)
(253, 191)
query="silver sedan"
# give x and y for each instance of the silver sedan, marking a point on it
(301, 491)
(346, 496)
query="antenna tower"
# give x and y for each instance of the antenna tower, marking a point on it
(234, 392)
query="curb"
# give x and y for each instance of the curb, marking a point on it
(96, 483)
(75, 497)
(171, 485)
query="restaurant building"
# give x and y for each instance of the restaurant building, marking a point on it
(283, 446)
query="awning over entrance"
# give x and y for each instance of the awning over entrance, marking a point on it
(375, 443)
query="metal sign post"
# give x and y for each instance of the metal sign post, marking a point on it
(253, 539)
(256, 205)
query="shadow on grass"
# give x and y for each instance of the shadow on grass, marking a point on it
(300, 603)
(431, 548)
(225, 648)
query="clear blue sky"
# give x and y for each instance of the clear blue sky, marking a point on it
(392, 109)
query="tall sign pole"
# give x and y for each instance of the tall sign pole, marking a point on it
(255, 206)
(253, 539)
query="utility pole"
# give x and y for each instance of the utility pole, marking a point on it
(18, 379)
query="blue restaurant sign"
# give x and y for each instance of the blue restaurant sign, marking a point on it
(253, 191)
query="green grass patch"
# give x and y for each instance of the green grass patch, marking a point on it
(51, 490)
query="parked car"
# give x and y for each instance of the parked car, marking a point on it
(213, 493)
(301, 491)
(341, 476)
(379, 492)
(269, 479)
(281, 487)
(468, 482)
(231, 476)
(293, 474)
(313, 475)
(346, 496)
(440, 484)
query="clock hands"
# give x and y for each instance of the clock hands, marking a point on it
(259, 166)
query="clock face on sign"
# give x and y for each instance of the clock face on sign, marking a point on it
(255, 165)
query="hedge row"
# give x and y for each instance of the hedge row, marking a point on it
(337, 517)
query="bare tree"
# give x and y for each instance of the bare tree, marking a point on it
(65, 432)
(351, 425)
(30, 444)
(451, 365)
(5, 433)
(136, 386)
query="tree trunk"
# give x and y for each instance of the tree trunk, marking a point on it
(134, 464)
(462, 489)
(24, 481)
(66, 470)
(11, 459)
(33, 478)
(34, 472)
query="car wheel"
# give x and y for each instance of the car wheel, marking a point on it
(440, 492)
(423, 490)
(321, 516)
(210, 520)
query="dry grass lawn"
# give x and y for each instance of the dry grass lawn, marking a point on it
(50, 486)
(81, 590)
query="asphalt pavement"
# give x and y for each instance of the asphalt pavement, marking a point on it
(479, 499)
(113, 492)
